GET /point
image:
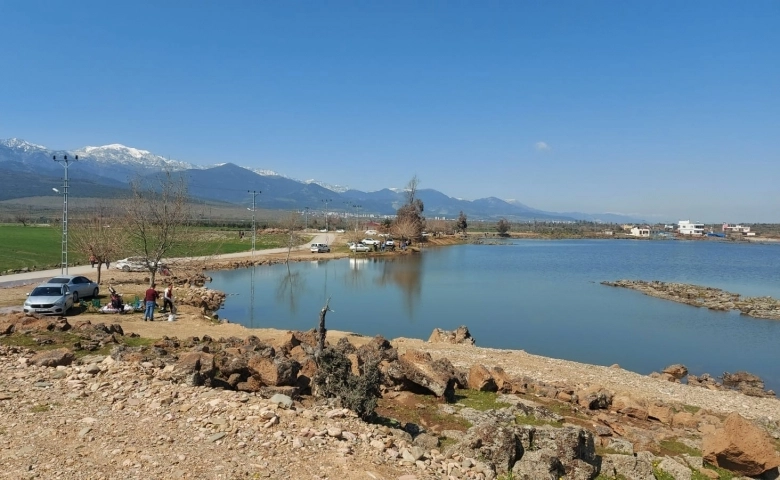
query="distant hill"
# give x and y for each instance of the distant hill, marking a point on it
(28, 170)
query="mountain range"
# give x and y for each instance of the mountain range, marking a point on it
(28, 170)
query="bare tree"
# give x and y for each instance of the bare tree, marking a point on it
(23, 216)
(158, 219)
(409, 217)
(291, 224)
(98, 237)
(406, 228)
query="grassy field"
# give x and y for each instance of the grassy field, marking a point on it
(41, 247)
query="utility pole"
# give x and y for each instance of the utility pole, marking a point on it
(254, 193)
(357, 216)
(326, 201)
(306, 217)
(65, 162)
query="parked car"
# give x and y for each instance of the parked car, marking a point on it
(389, 243)
(320, 248)
(340, 230)
(132, 264)
(79, 286)
(49, 299)
(359, 247)
(369, 241)
(370, 232)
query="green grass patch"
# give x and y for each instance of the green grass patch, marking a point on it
(40, 247)
(676, 447)
(420, 410)
(138, 341)
(481, 401)
(723, 474)
(28, 247)
(604, 477)
(691, 408)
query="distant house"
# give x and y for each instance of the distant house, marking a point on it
(745, 231)
(686, 227)
(640, 232)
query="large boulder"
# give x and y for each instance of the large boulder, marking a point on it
(461, 335)
(480, 379)
(418, 368)
(572, 446)
(493, 439)
(741, 447)
(635, 467)
(53, 358)
(277, 371)
(677, 371)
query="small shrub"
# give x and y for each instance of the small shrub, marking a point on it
(334, 379)
(40, 408)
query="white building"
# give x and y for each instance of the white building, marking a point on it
(735, 228)
(640, 232)
(686, 227)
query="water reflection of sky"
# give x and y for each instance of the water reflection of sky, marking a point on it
(541, 296)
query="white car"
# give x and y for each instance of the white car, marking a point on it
(389, 243)
(370, 232)
(132, 264)
(320, 248)
(340, 230)
(370, 241)
(359, 247)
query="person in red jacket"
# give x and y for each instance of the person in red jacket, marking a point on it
(151, 302)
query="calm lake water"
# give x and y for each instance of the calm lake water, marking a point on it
(540, 296)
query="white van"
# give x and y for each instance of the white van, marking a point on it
(320, 248)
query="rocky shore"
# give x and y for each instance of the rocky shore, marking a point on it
(90, 401)
(706, 297)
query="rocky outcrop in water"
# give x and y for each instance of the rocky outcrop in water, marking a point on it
(707, 297)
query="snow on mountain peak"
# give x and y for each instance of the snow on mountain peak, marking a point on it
(332, 188)
(134, 152)
(21, 144)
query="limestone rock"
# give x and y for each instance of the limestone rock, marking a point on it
(639, 467)
(459, 336)
(53, 358)
(480, 379)
(437, 376)
(740, 446)
(677, 370)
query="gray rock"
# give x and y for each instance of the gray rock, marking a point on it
(629, 466)
(675, 469)
(282, 400)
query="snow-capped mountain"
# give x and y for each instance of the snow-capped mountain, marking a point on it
(333, 188)
(106, 170)
(120, 154)
(19, 144)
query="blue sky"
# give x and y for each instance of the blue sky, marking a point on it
(665, 109)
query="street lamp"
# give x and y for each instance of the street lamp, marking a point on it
(357, 216)
(326, 201)
(65, 162)
(254, 193)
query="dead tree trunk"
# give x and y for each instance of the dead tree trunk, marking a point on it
(322, 330)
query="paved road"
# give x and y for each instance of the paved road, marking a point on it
(40, 275)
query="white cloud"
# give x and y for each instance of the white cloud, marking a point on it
(541, 146)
